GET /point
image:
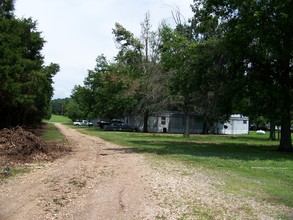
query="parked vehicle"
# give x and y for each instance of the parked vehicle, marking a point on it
(83, 123)
(120, 127)
(102, 124)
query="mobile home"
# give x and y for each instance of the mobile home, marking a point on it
(237, 124)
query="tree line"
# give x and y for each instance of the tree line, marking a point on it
(25, 82)
(231, 57)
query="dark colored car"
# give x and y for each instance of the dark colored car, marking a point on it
(120, 127)
(102, 124)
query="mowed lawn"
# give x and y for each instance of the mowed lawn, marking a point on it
(249, 164)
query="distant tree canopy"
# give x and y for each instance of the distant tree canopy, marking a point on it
(58, 106)
(25, 82)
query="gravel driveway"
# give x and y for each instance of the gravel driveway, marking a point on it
(101, 180)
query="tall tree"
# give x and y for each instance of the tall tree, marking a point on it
(7, 8)
(130, 47)
(153, 89)
(82, 97)
(116, 94)
(211, 96)
(259, 38)
(178, 59)
(73, 110)
(25, 83)
(142, 67)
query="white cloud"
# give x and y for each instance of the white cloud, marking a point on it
(78, 31)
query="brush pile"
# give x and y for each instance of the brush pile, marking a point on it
(20, 145)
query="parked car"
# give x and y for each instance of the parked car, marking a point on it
(83, 123)
(120, 127)
(102, 124)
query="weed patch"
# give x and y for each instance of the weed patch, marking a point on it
(77, 182)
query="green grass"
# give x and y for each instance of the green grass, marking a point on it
(51, 133)
(13, 173)
(60, 119)
(250, 164)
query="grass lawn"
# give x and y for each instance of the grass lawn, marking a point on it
(250, 164)
(51, 133)
(60, 119)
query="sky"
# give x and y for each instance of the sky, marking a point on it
(76, 31)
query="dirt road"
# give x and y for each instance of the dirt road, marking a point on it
(100, 180)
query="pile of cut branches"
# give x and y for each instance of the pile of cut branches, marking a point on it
(18, 144)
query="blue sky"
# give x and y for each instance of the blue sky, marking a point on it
(76, 32)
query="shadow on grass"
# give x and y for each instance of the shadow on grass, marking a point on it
(201, 149)
(246, 167)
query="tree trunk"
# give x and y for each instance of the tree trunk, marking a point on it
(286, 141)
(186, 116)
(205, 127)
(145, 121)
(272, 130)
(186, 124)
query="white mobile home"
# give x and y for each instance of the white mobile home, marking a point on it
(173, 122)
(237, 124)
(168, 121)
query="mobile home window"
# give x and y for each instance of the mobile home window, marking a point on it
(244, 122)
(163, 120)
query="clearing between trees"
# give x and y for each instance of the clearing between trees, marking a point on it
(101, 180)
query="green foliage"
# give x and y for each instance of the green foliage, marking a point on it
(126, 40)
(213, 93)
(124, 86)
(58, 106)
(73, 110)
(6, 8)
(83, 97)
(25, 83)
(117, 91)
(176, 51)
(178, 60)
(197, 70)
(258, 38)
(227, 60)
